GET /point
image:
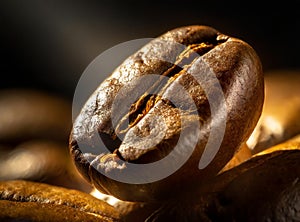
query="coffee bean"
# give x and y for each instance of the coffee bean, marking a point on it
(171, 115)
(30, 114)
(264, 188)
(269, 190)
(280, 119)
(32, 201)
(34, 131)
(41, 160)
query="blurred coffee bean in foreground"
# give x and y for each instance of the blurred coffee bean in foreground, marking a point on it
(32, 201)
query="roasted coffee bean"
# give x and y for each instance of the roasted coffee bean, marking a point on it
(262, 159)
(41, 160)
(280, 119)
(31, 201)
(269, 190)
(161, 119)
(264, 188)
(34, 131)
(37, 212)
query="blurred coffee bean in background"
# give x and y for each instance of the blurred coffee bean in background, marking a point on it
(31, 114)
(34, 132)
(280, 119)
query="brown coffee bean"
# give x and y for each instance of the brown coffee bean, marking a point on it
(280, 119)
(289, 148)
(269, 191)
(41, 160)
(34, 131)
(33, 212)
(30, 201)
(140, 137)
(264, 188)
(32, 114)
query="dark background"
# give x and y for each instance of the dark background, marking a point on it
(48, 44)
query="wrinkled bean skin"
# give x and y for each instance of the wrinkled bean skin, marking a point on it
(239, 73)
